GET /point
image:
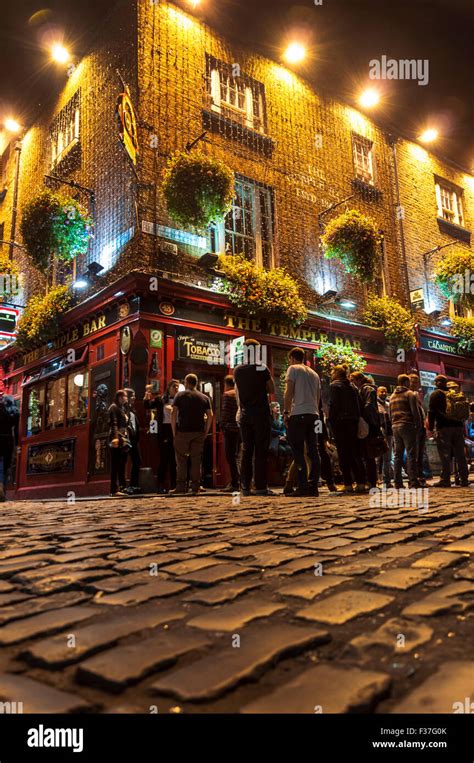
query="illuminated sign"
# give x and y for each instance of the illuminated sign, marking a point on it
(181, 236)
(128, 125)
(8, 319)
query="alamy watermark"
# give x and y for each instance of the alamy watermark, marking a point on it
(251, 354)
(399, 498)
(403, 68)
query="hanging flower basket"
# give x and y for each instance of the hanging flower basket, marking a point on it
(330, 355)
(55, 226)
(387, 314)
(40, 320)
(452, 274)
(198, 189)
(270, 294)
(463, 329)
(353, 239)
(9, 278)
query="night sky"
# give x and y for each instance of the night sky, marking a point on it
(343, 36)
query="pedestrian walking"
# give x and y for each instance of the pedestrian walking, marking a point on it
(119, 442)
(449, 435)
(134, 437)
(253, 384)
(406, 422)
(385, 460)
(371, 445)
(231, 431)
(191, 421)
(344, 415)
(9, 430)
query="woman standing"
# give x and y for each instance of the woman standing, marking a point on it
(118, 442)
(344, 413)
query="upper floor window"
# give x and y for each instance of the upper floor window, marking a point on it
(65, 130)
(449, 200)
(235, 95)
(248, 227)
(362, 150)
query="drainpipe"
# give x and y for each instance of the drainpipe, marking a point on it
(393, 142)
(16, 183)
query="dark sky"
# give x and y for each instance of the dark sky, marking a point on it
(343, 35)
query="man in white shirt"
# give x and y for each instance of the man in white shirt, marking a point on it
(301, 414)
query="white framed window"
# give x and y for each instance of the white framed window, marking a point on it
(248, 227)
(65, 130)
(235, 95)
(459, 310)
(449, 201)
(362, 151)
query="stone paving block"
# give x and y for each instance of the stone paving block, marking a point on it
(438, 560)
(401, 551)
(133, 565)
(63, 581)
(456, 597)
(443, 692)
(327, 544)
(152, 590)
(465, 546)
(221, 670)
(298, 565)
(312, 585)
(401, 577)
(13, 597)
(14, 565)
(465, 573)
(119, 582)
(38, 604)
(103, 632)
(124, 665)
(395, 635)
(6, 587)
(136, 552)
(38, 697)
(46, 622)
(344, 606)
(191, 565)
(222, 593)
(359, 566)
(217, 574)
(325, 689)
(231, 617)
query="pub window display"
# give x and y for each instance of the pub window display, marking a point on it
(61, 401)
(77, 397)
(34, 422)
(55, 403)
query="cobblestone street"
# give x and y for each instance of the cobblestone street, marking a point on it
(271, 605)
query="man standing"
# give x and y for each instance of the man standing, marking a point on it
(421, 433)
(302, 396)
(191, 421)
(253, 383)
(231, 432)
(134, 437)
(406, 422)
(386, 424)
(370, 413)
(449, 435)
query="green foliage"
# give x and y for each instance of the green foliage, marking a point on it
(270, 294)
(387, 314)
(450, 275)
(40, 320)
(353, 239)
(9, 277)
(54, 226)
(463, 329)
(198, 189)
(330, 355)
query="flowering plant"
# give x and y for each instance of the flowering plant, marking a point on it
(40, 320)
(387, 314)
(198, 189)
(463, 329)
(54, 225)
(271, 294)
(452, 274)
(330, 355)
(353, 239)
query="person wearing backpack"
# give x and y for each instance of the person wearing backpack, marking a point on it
(457, 403)
(9, 425)
(449, 434)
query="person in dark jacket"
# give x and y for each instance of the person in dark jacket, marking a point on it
(421, 455)
(162, 408)
(370, 413)
(231, 432)
(449, 434)
(343, 417)
(134, 437)
(385, 461)
(9, 425)
(118, 437)
(406, 422)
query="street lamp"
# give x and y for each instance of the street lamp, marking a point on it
(295, 53)
(369, 98)
(429, 135)
(12, 125)
(60, 54)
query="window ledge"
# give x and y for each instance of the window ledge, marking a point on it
(369, 192)
(453, 230)
(235, 131)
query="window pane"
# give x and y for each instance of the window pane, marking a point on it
(55, 403)
(77, 397)
(35, 410)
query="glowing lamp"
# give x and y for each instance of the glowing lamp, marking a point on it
(295, 53)
(428, 136)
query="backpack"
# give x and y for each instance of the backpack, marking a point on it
(457, 406)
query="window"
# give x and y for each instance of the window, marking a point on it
(362, 149)
(234, 95)
(459, 310)
(65, 130)
(449, 200)
(34, 422)
(248, 227)
(77, 397)
(55, 403)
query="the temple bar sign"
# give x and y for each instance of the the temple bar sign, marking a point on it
(439, 345)
(298, 333)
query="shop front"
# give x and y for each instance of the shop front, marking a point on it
(128, 336)
(441, 354)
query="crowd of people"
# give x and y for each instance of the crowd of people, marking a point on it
(367, 438)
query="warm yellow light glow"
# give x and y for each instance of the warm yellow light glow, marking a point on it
(60, 54)
(369, 98)
(194, 3)
(419, 152)
(469, 179)
(428, 136)
(12, 125)
(358, 123)
(180, 18)
(295, 53)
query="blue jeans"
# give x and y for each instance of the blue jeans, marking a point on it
(301, 430)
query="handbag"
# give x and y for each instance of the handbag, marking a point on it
(362, 429)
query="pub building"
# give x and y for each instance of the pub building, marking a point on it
(128, 336)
